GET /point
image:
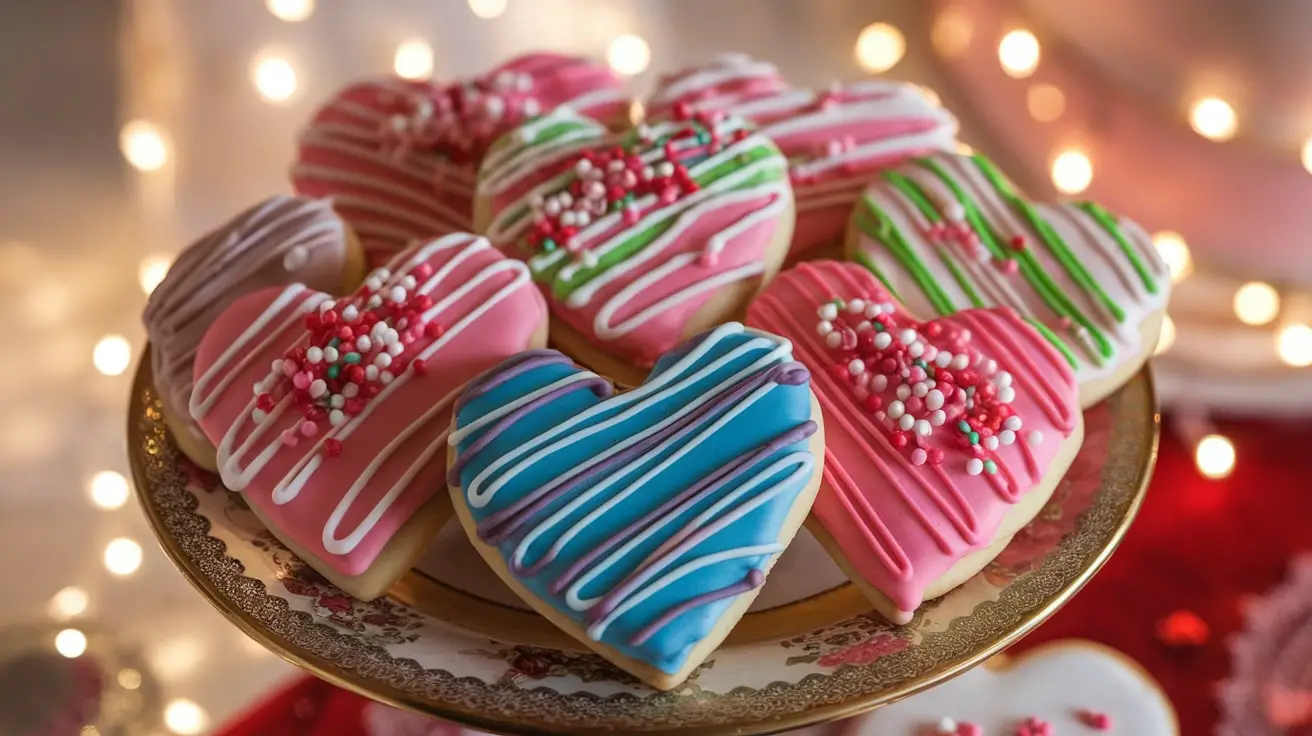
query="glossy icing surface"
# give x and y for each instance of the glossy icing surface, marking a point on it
(279, 241)
(640, 516)
(399, 157)
(905, 499)
(1066, 685)
(630, 234)
(835, 139)
(949, 232)
(341, 486)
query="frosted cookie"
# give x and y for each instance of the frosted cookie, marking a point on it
(331, 415)
(950, 232)
(642, 523)
(640, 239)
(280, 241)
(944, 438)
(1059, 689)
(836, 139)
(399, 157)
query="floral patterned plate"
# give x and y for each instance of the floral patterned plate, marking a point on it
(452, 642)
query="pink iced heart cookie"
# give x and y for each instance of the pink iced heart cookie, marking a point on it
(836, 139)
(340, 445)
(399, 157)
(639, 239)
(945, 437)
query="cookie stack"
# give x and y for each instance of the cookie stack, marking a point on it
(369, 357)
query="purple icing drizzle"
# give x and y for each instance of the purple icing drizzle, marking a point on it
(753, 581)
(507, 369)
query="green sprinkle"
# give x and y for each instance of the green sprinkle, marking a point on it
(352, 358)
(334, 342)
(548, 245)
(973, 437)
(879, 326)
(964, 426)
(990, 467)
(616, 205)
(334, 370)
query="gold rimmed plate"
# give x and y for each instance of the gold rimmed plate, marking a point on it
(451, 641)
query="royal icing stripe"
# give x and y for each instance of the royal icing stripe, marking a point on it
(948, 232)
(640, 516)
(835, 139)
(344, 436)
(933, 430)
(633, 233)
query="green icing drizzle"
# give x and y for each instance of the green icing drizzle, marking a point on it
(1108, 222)
(913, 193)
(1056, 341)
(875, 222)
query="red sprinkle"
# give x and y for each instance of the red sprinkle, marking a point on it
(1096, 720)
(1183, 628)
(333, 447)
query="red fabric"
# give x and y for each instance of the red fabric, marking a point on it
(1198, 545)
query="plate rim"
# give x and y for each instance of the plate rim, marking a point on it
(382, 691)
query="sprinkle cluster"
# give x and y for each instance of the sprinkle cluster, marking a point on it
(462, 120)
(639, 174)
(918, 379)
(950, 727)
(356, 346)
(955, 228)
(1035, 726)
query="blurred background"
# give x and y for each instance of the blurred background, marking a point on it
(129, 127)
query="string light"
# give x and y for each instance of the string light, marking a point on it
(1019, 53)
(1256, 303)
(487, 9)
(292, 11)
(274, 77)
(964, 149)
(152, 271)
(1213, 118)
(184, 717)
(143, 145)
(1072, 172)
(952, 31)
(931, 95)
(628, 54)
(1294, 344)
(1307, 155)
(880, 47)
(122, 556)
(414, 59)
(1172, 248)
(1215, 456)
(1045, 102)
(71, 643)
(1167, 337)
(112, 355)
(129, 679)
(108, 490)
(68, 603)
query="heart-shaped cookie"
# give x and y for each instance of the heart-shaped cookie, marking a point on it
(1074, 687)
(639, 239)
(836, 139)
(399, 157)
(944, 437)
(340, 445)
(642, 523)
(949, 232)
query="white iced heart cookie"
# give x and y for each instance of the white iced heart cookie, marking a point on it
(1065, 688)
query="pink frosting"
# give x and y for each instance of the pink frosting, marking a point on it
(586, 85)
(901, 525)
(837, 139)
(489, 310)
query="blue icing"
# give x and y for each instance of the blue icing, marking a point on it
(782, 409)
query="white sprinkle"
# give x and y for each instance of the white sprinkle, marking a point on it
(862, 378)
(396, 349)
(990, 367)
(386, 377)
(903, 392)
(582, 219)
(318, 388)
(934, 399)
(314, 355)
(947, 727)
(942, 359)
(1006, 394)
(1012, 422)
(828, 311)
(408, 282)
(382, 360)
(906, 422)
(920, 389)
(865, 326)
(296, 258)
(337, 401)
(856, 306)
(259, 416)
(974, 466)
(916, 349)
(588, 259)
(1035, 438)
(336, 417)
(1002, 379)
(1007, 437)
(883, 340)
(954, 212)
(834, 339)
(856, 367)
(371, 373)
(397, 294)
(938, 418)
(879, 382)
(923, 427)
(276, 366)
(959, 362)
(991, 442)
(326, 306)
(583, 166)
(363, 343)
(390, 336)
(373, 283)
(351, 390)
(373, 302)
(567, 219)
(330, 354)
(825, 327)
(873, 310)
(896, 409)
(551, 208)
(907, 336)
(258, 388)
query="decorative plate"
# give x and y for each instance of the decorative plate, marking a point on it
(453, 642)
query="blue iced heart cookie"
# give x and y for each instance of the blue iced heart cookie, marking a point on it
(644, 522)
